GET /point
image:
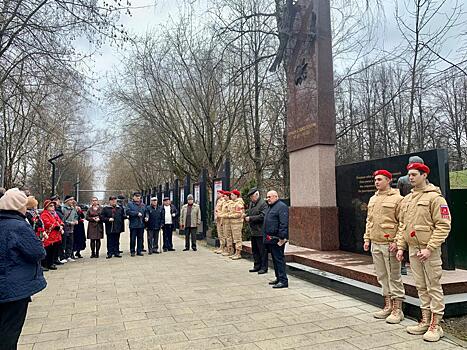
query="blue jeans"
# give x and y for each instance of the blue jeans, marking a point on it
(136, 238)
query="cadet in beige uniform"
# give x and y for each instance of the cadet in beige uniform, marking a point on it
(381, 229)
(425, 223)
(220, 229)
(226, 227)
(235, 215)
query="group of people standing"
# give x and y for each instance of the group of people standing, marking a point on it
(156, 218)
(268, 221)
(418, 223)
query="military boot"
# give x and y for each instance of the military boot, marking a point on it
(423, 325)
(227, 251)
(221, 248)
(396, 315)
(434, 332)
(237, 255)
(386, 311)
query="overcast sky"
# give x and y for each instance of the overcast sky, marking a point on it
(151, 14)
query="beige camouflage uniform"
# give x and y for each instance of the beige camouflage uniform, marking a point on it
(220, 228)
(381, 228)
(425, 222)
(235, 215)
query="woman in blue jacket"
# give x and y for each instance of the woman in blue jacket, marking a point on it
(21, 252)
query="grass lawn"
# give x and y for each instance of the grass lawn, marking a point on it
(458, 179)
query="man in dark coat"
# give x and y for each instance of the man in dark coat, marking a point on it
(153, 218)
(169, 214)
(275, 235)
(113, 218)
(255, 217)
(20, 266)
(135, 211)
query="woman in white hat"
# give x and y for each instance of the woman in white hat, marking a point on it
(20, 266)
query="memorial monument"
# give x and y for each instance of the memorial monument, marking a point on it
(306, 49)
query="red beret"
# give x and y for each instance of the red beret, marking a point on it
(226, 193)
(383, 172)
(419, 166)
(220, 191)
(236, 192)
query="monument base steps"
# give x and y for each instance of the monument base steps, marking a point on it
(353, 274)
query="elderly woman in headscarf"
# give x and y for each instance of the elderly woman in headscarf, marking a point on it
(53, 226)
(20, 270)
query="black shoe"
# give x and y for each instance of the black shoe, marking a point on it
(165, 249)
(144, 250)
(194, 249)
(171, 250)
(120, 251)
(272, 283)
(156, 252)
(280, 285)
(186, 249)
(260, 272)
(132, 254)
(78, 255)
(117, 256)
(109, 256)
(253, 270)
(150, 253)
(58, 262)
(52, 267)
(140, 254)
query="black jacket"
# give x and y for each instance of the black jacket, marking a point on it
(173, 211)
(276, 222)
(256, 213)
(118, 214)
(154, 216)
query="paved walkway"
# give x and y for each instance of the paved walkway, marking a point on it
(198, 300)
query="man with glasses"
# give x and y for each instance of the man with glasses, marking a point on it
(276, 235)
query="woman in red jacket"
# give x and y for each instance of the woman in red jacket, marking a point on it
(53, 227)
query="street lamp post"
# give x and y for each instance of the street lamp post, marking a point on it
(51, 161)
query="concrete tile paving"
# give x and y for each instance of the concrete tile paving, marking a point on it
(197, 300)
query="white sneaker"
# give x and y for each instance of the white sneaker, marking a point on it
(71, 259)
(63, 261)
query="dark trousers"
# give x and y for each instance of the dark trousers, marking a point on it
(112, 243)
(167, 232)
(52, 252)
(153, 240)
(260, 253)
(136, 239)
(66, 250)
(66, 247)
(190, 232)
(12, 316)
(278, 259)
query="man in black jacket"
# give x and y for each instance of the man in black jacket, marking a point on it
(113, 217)
(153, 219)
(255, 217)
(275, 235)
(169, 218)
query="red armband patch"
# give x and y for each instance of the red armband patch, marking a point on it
(444, 210)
